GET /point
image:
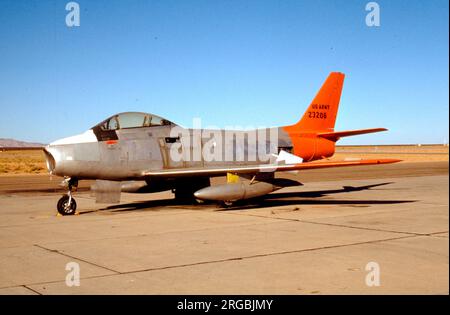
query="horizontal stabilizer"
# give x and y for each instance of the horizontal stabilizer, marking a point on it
(335, 136)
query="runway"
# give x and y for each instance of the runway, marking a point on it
(313, 239)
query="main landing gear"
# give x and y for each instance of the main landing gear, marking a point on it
(67, 204)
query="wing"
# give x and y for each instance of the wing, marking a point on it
(262, 168)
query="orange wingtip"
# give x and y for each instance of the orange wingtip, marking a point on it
(388, 161)
(372, 161)
(356, 162)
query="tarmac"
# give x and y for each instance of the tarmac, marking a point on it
(318, 238)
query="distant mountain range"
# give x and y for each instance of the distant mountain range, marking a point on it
(4, 143)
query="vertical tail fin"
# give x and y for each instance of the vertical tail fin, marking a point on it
(321, 113)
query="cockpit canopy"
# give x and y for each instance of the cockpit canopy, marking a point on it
(132, 120)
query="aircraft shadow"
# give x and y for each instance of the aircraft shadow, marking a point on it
(321, 193)
(144, 205)
(297, 202)
(267, 201)
(308, 198)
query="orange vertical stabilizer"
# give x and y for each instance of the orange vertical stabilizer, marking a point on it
(321, 113)
(319, 117)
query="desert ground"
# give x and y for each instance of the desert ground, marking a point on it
(22, 161)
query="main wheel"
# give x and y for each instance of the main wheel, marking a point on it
(63, 206)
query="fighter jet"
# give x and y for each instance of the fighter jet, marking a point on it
(141, 152)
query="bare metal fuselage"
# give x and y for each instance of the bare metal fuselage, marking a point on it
(139, 150)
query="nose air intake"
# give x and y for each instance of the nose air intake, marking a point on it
(50, 161)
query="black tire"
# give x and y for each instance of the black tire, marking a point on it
(63, 208)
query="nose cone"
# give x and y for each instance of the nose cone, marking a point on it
(59, 152)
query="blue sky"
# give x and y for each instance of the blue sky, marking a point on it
(231, 63)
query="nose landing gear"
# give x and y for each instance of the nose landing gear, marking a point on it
(66, 204)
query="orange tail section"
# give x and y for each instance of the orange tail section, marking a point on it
(313, 137)
(321, 113)
(320, 117)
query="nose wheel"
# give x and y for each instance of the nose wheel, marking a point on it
(66, 204)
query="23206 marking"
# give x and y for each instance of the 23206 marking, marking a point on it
(319, 115)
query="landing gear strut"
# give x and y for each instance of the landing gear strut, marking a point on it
(67, 204)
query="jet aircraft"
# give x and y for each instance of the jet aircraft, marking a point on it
(143, 153)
